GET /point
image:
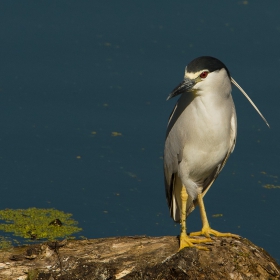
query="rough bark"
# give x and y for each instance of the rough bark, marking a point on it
(137, 257)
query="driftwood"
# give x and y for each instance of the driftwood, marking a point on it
(137, 257)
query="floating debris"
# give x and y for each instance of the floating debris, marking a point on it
(217, 215)
(270, 186)
(56, 222)
(114, 133)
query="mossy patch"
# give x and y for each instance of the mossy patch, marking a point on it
(34, 223)
(5, 243)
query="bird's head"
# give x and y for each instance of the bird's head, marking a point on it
(204, 74)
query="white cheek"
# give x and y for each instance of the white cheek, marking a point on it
(197, 85)
(210, 80)
(202, 84)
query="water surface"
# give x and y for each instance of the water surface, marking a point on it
(83, 112)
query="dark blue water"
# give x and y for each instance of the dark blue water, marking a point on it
(73, 72)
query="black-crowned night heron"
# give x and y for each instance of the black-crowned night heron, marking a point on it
(201, 135)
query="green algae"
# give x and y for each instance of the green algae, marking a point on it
(35, 223)
(5, 243)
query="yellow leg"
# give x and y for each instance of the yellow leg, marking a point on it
(185, 241)
(206, 230)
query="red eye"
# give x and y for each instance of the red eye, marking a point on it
(204, 74)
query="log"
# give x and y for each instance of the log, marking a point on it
(138, 257)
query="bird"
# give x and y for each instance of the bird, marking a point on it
(201, 135)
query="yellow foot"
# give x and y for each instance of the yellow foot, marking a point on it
(206, 231)
(185, 241)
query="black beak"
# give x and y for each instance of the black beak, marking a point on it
(185, 86)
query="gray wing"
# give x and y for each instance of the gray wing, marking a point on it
(173, 155)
